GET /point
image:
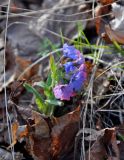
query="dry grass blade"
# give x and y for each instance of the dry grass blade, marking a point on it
(5, 90)
(30, 12)
(58, 20)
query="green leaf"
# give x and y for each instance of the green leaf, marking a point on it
(33, 90)
(62, 37)
(41, 106)
(44, 106)
(54, 71)
(55, 102)
(47, 89)
(120, 137)
(52, 64)
(118, 47)
(42, 85)
(39, 100)
(49, 80)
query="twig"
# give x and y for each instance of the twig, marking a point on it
(32, 12)
(55, 8)
(5, 90)
(55, 20)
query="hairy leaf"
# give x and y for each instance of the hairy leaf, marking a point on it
(55, 102)
(54, 71)
(39, 100)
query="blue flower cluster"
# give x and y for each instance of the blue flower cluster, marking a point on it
(76, 67)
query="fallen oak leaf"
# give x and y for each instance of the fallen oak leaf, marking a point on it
(39, 138)
(63, 133)
(113, 35)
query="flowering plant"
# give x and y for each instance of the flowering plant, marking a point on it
(74, 68)
(64, 82)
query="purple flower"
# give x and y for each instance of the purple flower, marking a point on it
(73, 53)
(63, 92)
(70, 52)
(77, 69)
(80, 59)
(78, 79)
(69, 67)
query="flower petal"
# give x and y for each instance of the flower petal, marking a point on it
(70, 52)
(69, 67)
(63, 92)
(78, 79)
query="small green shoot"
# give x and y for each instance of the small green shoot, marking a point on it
(54, 71)
(118, 47)
(62, 37)
(120, 137)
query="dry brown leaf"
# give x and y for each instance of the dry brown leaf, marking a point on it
(63, 133)
(39, 139)
(117, 36)
(105, 147)
(22, 64)
(110, 142)
(89, 66)
(17, 90)
(100, 10)
(19, 132)
(106, 38)
(42, 145)
(104, 2)
(39, 147)
(40, 125)
(14, 131)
